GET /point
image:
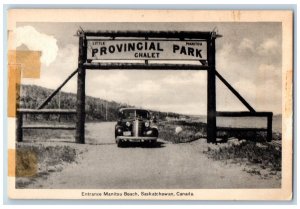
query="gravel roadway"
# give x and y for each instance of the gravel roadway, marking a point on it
(102, 165)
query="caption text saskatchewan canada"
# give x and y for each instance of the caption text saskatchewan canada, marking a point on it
(135, 194)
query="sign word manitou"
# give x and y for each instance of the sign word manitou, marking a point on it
(167, 50)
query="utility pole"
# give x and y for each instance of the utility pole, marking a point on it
(106, 110)
(59, 105)
(59, 100)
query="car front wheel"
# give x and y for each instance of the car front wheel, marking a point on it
(120, 143)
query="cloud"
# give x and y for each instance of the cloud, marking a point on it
(54, 74)
(262, 92)
(269, 46)
(225, 57)
(246, 44)
(226, 50)
(268, 69)
(37, 41)
(269, 72)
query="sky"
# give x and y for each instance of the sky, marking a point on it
(248, 56)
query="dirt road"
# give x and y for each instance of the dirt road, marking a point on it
(103, 165)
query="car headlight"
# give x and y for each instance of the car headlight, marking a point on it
(128, 123)
(147, 124)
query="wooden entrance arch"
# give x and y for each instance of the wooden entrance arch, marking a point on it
(102, 45)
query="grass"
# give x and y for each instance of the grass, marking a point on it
(38, 160)
(37, 156)
(47, 135)
(191, 130)
(259, 136)
(261, 158)
(244, 148)
(181, 131)
(260, 153)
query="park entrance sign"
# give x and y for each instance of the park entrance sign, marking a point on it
(146, 49)
(195, 49)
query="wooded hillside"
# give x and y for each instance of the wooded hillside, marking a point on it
(31, 96)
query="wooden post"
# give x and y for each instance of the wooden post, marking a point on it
(269, 127)
(80, 103)
(211, 91)
(19, 130)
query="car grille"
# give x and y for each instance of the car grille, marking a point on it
(137, 128)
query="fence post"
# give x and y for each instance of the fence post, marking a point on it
(80, 103)
(269, 128)
(211, 91)
(19, 129)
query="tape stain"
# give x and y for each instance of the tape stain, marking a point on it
(11, 162)
(22, 163)
(29, 60)
(236, 15)
(14, 80)
(20, 63)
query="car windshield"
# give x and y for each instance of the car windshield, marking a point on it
(142, 114)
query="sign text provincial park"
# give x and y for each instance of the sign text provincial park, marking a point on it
(146, 50)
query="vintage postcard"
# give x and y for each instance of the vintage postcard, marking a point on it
(150, 104)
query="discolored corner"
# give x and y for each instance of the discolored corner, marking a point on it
(14, 79)
(22, 163)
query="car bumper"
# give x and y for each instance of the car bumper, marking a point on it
(136, 139)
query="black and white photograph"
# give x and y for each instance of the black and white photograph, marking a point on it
(150, 109)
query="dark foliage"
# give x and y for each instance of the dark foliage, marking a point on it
(97, 109)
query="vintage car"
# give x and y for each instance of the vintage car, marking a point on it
(135, 125)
